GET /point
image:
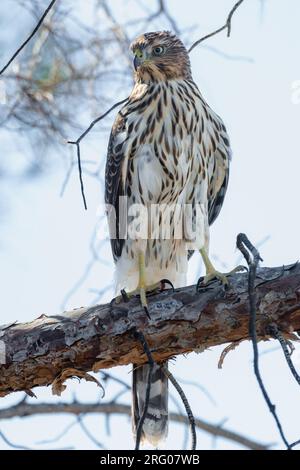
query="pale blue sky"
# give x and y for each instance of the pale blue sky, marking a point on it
(44, 240)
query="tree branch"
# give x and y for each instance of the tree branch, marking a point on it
(24, 409)
(227, 26)
(49, 350)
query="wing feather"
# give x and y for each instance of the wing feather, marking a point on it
(114, 186)
(219, 177)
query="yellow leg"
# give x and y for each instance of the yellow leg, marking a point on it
(142, 287)
(212, 273)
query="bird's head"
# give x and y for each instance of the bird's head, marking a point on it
(160, 56)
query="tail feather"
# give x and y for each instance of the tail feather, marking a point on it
(155, 427)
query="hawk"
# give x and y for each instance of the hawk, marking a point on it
(167, 147)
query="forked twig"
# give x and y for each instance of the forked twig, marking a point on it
(227, 26)
(77, 143)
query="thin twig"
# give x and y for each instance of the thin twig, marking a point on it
(185, 403)
(185, 429)
(80, 175)
(227, 26)
(247, 249)
(163, 9)
(11, 444)
(29, 37)
(230, 347)
(106, 376)
(88, 433)
(294, 444)
(77, 143)
(284, 345)
(59, 436)
(200, 387)
(27, 410)
(139, 335)
(95, 122)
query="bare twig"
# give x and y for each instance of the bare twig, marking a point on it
(185, 403)
(117, 29)
(24, 410)
(162, 9)
(29, 37)
(77, 143)
(88, 433)
(95, 122)
(106, 377)
(61, 434)
(225, 351)
(284, 345)
(11, 444)
(201, 388)
(252, 257)
(227, 26)
(294, 444)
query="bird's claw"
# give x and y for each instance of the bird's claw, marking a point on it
(201, 286)
(147, 312)
(142, 292)
(166, 281)
(124, 295)
(215, 275)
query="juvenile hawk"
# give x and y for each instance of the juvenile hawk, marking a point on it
(167, 146)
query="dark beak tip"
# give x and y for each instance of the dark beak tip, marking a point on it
(136, 63)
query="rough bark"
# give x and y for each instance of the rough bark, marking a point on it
(48, 350)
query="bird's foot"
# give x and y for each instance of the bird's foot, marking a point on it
(143, 291)
(126, 296)
(213, 274)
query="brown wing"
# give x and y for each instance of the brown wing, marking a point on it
(219, 173)
(114, 186)
(219, 170)
(215, 200)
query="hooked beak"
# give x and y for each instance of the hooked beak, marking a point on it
(136, 62)
(139, 57)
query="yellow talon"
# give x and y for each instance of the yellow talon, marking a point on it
(212, 273)
(142, 288)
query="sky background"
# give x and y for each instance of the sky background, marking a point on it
(45, 239)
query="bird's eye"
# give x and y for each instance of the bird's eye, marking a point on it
(158, 50)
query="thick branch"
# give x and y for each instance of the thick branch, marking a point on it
(24, 409)
(51, 349)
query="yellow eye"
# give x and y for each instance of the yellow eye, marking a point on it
(158, 50)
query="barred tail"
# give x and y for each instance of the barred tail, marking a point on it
(155, 427)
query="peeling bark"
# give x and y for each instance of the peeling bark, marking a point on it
(51, 349)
